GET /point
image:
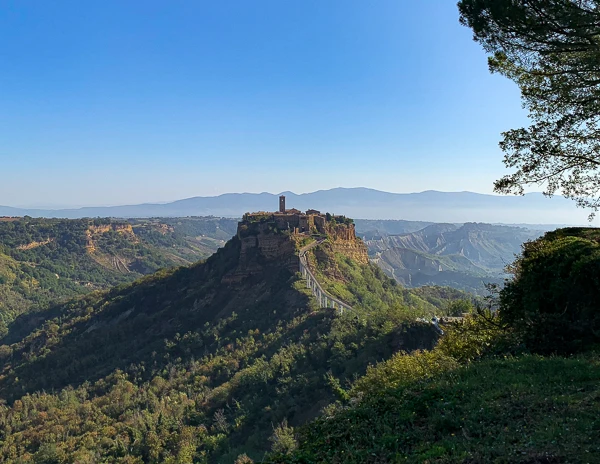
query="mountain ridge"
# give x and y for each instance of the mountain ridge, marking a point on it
(358, 202)
(464, 257)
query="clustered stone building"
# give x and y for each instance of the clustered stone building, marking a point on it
(294, 220)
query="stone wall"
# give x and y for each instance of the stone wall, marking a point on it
(319, 222)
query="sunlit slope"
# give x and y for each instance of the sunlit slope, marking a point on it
(524, 410)
(45, 261)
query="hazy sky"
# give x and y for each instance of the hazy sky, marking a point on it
(118, 102)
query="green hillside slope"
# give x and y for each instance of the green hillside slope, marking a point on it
(521, 410)
(199, 363)
(520, 384)
(44, 261)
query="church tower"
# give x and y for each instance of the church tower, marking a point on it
(282, 204)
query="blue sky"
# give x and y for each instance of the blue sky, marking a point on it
(114, 102)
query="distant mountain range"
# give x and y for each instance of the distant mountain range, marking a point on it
(433, 206)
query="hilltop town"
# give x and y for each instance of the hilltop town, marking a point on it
(295, 221)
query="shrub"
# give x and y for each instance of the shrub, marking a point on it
(283, 439)
(243, 459)
(402, 369)
(476, 336)
(552, 301)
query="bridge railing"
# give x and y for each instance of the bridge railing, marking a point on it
(326, 300)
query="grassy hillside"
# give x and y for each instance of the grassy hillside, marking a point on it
(188, 365)
(43, 261)
(520, 384)
(519, 410)
(231, 356)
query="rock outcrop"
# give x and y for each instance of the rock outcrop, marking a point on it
(94, 232)
(344, 241)
(264, 243)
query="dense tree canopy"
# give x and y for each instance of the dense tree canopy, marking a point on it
(552, 301)
(185, 366)
(551, 49)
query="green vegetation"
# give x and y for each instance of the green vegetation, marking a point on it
(339, 219)
(528, 409)
(194, 364)
(358, 285)
(450, 301)
(368, 290)
(44, 261)
(552, 302)
(188, 366)
(481, 395)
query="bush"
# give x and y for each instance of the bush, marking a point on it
(477, 336)
(402, 369)
(552, 301)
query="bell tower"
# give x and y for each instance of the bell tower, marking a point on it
(282, 204)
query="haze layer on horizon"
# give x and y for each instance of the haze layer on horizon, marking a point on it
(123, 103)
(358, 203)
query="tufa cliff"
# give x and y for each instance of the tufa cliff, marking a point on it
(344, 241)
(268, 240)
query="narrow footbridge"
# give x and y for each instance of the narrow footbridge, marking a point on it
(325, 299)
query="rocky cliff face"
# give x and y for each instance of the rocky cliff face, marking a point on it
(462, 257)
(344, 241)
(262, 244)
(94, 232)
(485, 245)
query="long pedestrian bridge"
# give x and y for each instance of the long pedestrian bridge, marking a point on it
(325, 299)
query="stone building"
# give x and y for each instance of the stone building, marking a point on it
(292, 219)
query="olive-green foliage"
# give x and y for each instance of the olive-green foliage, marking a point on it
(184, 366)
(552, 301)
(527, 409)
(477, 336)
(450, 301)
(476, 397)
(44, 261)
(283, 439)
(403, 369)
(366, 288)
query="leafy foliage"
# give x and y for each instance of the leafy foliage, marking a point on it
(366, 287)
(552, 301)
(450, 301)
(402, 369)
(551, 50)
(188, 366)
(527, 409)
(478, 336)
(476, 397)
